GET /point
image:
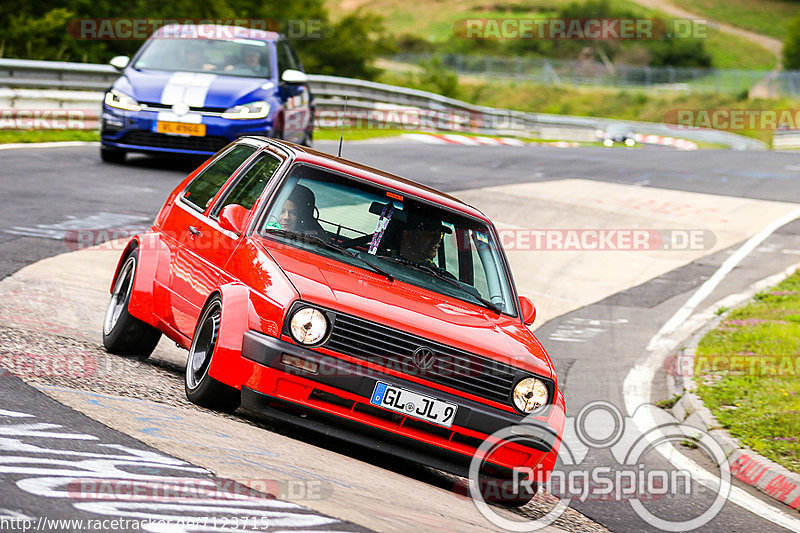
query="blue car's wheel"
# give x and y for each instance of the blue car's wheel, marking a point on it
(112, 155)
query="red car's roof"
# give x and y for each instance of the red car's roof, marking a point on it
(377, 176)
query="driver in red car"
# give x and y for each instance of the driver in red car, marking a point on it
(298, 213)
(421, 238)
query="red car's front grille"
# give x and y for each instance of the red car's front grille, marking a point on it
(407, 353)
(457, 439)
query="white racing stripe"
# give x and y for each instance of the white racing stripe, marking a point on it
(638, 383)
(187, 87)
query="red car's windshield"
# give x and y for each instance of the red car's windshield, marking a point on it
(412, 240)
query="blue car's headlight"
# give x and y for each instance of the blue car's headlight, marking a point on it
(120, 100)
(259, 109)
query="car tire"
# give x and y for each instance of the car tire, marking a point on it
(113, 155)
(519, 500)
(123, 333)
(501, 491)
(202, 389)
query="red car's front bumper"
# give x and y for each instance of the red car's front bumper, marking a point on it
(336, 401)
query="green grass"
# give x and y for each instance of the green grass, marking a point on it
(327, 134)
(760, 408)
(669, 403)
(768, 17)
(38, 136)
(634, 104)
(730, 51)
(433, 21)
(332, 134)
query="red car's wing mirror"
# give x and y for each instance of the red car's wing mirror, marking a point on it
(233, 218)
(527, 309)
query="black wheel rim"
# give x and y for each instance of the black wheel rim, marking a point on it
(203, 344)
(120, 295)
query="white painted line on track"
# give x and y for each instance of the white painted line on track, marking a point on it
(637, 386)
(660, 338)
(57, 144)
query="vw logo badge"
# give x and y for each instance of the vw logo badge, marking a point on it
(424, 358)
(181, 108)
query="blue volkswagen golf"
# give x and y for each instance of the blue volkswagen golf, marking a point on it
(192, 89)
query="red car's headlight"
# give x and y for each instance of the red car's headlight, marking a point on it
(308, 326)
(530, 394)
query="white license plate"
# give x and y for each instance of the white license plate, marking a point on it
(413, 404)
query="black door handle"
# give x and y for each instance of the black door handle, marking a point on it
(194, 231)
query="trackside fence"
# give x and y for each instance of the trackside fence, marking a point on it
(26, 85)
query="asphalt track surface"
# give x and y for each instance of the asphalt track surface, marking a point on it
(46, 192)
(58, 467)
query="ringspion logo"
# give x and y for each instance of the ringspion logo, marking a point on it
(603, 456)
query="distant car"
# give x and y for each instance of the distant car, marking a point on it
(194, 89)
(617, 134)
(344, 299)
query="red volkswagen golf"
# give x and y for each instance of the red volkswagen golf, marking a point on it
(344, 299)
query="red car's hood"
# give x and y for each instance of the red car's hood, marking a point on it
(412, 309)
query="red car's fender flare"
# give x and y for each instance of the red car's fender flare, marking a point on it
(227, 365)
(243, 309)
(151, 250)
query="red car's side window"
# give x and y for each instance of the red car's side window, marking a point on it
(251, 183)
(205, 186)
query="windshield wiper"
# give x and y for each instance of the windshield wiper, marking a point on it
(438, 275)
(305, 237)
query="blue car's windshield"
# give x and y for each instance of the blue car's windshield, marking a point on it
(238, 57)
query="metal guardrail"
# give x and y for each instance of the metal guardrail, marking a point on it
(547, 71)
(786, 140)
(26, 83)
(24, 73)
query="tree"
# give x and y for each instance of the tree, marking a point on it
(791, 46)
(38, 29)
(679, 53)
(347, 47)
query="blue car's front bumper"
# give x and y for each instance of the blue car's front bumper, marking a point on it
(136, 131)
